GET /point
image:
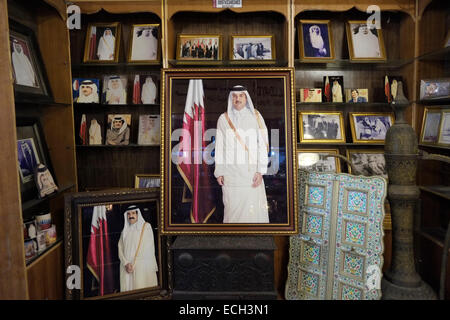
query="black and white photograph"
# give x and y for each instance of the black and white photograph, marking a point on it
(434, 89)
(199, 47)
(370, 127)
(315, 40)
(252, 48)
(145, 89)
(86, 90)
(444, 132)
(365, 42)
(147, 181)
(318, 160)
(368, 162)
(115, 89)
(430, 126)
(144, 44)
(102, 42)
(333, 89)
(28, 158)
(321, 127)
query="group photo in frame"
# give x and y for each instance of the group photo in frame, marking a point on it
(315, 40)
(321, 127)
(255, 49)
(102, 43)
(370, 127)
(144, 43)
(205, 47)
(209, 115)
(318, 160)
(114, 238)
(430, 125)
(367, 162)
(365, 42)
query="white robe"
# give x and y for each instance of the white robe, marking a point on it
(95, 133)
(366, 45)
(242, 202)
(144, 48)
(105, 49)
(23, 70)
(145, 267)
(148, 92)
(337, 93)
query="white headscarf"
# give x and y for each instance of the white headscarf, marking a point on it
(119, 92)
(106, 46)
(124, 124)
(137, 226)
(93, 97)
(230, 108)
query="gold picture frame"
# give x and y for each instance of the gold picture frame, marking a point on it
(183, 58)
(233, 38)
(356, 56)
(375, 129)
(306, 54)
(316, 132)
(139, 180)
(368, 169)
(445, 113)
(158, 44)
(337, 162)
(426, 140)
(90, 40)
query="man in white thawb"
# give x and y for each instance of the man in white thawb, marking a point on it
(106, 46)
(145, 45)
(138, 265)
(148, 91)
(365, 43)
(23, 70)
(241, 156)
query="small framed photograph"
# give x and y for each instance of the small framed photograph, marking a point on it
(30, 77)
(44, 181)
(102, 42)
(91, 130)
(391, 86)
(435, 89)
(333, 89)
(367, 162)
(252, 48)
(321, 127)
(311, 95)
(149, 130)
(145, 89)
(365, 42)
(370, 127)
(86, 90)
(115, 89)
(318, 160)
(206, 47)
(315, 41)
(144, 43)
(147, 181)
(118, 129)
(356, 95)
(114, 238)
(430, 126)
(444, 131)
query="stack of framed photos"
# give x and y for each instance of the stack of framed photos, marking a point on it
(436, 126)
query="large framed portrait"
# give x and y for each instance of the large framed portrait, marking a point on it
(367, 162)
(31, 151)
(444, 130)
(257, 49)
(430, 126)
(30, 78)
(144, 43)
(321, 127)
(315, 41)
(147, 181)
(114, 238)
(365, 42)
(102, 43)
(318, 160)
(370, 127)
(205, 47)
(230, 161)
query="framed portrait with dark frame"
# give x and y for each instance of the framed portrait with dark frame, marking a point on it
(102, 43)
(315, 41)
(30, 77)
(114, 237)
(32, 150)
(206, 116)
(370, 127)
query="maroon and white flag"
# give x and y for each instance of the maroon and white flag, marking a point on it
(136, 90)
(193, 169)
(93, 43)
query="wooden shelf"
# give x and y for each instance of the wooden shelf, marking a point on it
(131, 145)
(435, 102)
(229, 63)
(352, 144)
(43, 253)
(434, 146)
(434, 234)
(93, 106)
(440, 191)
(34, 202)
(344, 104)
(347, 64)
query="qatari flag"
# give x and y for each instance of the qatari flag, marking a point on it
(193, 169)
(92, 43)
(136, 90)
(99, 251)
(326, 90)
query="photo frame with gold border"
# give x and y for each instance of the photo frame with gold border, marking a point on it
(130, 44)
(351, 44)
(252, 61)
(138, 177)
(352, 116)
(301, 129)
(426, 113)
(445, 113)
(117, 36)
(301, 42)
(350, 152)
(319, 151)
(181, 60)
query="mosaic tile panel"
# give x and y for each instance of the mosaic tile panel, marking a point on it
(355, 233)
(316, 195)
(353, 265)
(314, 224)
(311, 253)
(350, 293)
(357, 201)
(309, 283)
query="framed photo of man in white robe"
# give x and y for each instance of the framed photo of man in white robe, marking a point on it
(365, 42)
(102, 43)
(144, 43)
(114, 238)
(209, 115)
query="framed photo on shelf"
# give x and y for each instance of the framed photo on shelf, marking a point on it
(255, 49)
(318, 161)
(118, 129)
(124, 258)
(391, 86)
(32, 150)
(365, 42)
(370, 127)
(356, 95)
(147, 181)
(430, 126)
(92, 129)
(115, 89)
(311, 95)
(333, 89)
(210, 192)
(145, 89)
(367, 162)
(206, 47)
(149, 129)
(444, 130)
(144, 43)
(315, 41)
(86, 90)
(102, 43)
(321, 127)
(30, 77)
(435, 89)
